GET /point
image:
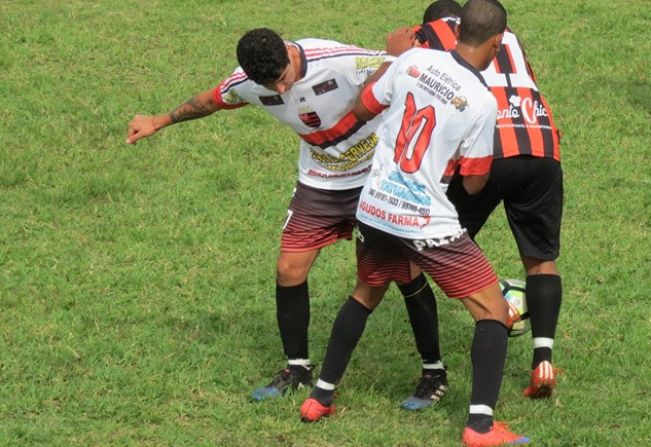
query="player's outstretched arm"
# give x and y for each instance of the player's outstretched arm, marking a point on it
(142, 126)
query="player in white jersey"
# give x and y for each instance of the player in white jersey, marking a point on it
(309, 85)
(440, 118)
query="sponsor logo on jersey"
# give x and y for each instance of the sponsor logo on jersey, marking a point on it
(272, 100)
(413, 71)
(527, 108)
(325, 87)
(420, 244)
(439, 89)
(408, 190)
(460, 103)
(369, 62)
(400, 220)
(353, 156)
(309, 117)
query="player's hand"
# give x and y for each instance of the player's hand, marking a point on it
(401, 40)
(141, 126)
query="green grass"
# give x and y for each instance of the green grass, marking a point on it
(136, 283)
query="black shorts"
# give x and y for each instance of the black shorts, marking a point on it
(532, 191)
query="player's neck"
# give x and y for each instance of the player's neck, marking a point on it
(295, 58)
(475, 56)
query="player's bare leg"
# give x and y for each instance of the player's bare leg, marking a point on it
(293, 315)
(544, 294)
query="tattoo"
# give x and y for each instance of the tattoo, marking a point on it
(190, 110)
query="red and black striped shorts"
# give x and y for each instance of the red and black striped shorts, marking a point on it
(319, 217)
(456, 264)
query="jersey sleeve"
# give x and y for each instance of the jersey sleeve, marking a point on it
(226, 94)
(476, 149)
(378, 96)
(357, 64)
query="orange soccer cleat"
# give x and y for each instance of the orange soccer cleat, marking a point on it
(312, 410)
(499, 434)
(543, 381)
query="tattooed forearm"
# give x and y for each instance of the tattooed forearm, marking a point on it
(191, 109)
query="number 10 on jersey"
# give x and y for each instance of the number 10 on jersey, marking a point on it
(415, 133)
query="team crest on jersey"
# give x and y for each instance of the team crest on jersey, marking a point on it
(413, 71)
(272, 100)
(325, 87)
(309, 117)
(460, 103)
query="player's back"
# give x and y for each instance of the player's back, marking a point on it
(440, 115)
(443, 93)
(524, 120)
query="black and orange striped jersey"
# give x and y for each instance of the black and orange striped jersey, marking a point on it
(524, 119)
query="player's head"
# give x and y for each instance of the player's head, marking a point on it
(263, 56)
(481, 20)
(483, 23)
(440, 9)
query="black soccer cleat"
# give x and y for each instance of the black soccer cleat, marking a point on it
(429, 391)
(291, 378)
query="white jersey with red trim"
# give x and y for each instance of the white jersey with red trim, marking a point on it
(440, 117)
(335, 149)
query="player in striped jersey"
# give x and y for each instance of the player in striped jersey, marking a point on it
(309, 85)
(439, 118)
(526, 176)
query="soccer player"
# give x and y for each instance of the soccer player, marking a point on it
(439, 118)
(309, 85)
(526, 176)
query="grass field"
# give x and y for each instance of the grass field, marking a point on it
(136, 282)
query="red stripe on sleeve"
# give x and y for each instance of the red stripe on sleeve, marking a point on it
(450, 168)
(475, 166)
(217, 96)
(370, 102)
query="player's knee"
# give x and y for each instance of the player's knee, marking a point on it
(497, 309)
(493, 307)
(291, 274)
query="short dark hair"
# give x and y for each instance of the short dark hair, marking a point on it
(481, 19)
(440, 9)
(262, 54)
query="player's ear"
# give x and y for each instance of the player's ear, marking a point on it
(497, 43)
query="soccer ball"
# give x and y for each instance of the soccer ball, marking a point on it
(513, 291)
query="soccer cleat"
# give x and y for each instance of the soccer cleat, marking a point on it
(543, 381)
(312, 410)
(290, 378)
(429, 391)
(499, 434)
